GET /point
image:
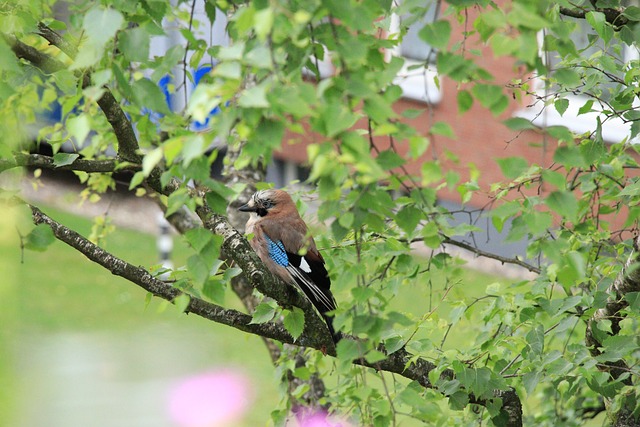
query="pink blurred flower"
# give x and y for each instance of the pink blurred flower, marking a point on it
(320, 419)
(210, 400)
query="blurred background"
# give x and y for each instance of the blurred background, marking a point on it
(82, 347)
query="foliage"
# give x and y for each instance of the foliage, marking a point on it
(565, 339)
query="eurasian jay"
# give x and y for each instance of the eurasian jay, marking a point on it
(283, 243)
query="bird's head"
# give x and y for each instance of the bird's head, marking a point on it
(268, 202)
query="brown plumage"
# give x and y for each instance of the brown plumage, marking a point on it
(282, 241)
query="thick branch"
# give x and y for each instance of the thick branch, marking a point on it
(47, 162)
(57, 40)
(128, 148)
(39, 59)
(627, 281)
(614, 17)
(145, 280)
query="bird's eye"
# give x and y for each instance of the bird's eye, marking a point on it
(267, 204)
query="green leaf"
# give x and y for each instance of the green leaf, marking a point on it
(8, 58)
(294, 322)
(599, 23)
(263, 313)
(228, 70)
(408, 218)
(64, 159)
(633, 298)
(491, 97)
(151, 160)
(412, 113)
(392, 344)
(459, 400)
(444, 129)
(538, 223)
(176, 200)
(586, 107)
(39, 238)
(134, 44)
(193, 148)
(436, 34)
(137, 179)
(563, 203)
(465, 101)
(147, 94)
(214, 290)
(217, 202)
(260, 57)
(198, 269)
(519, 123)
(527, 17)
(254, 97)
(530, 380)
(554, 178)
(347, 350)
(457, 310)
(100, 25)
(378, 109)
(418, 145)
(513, 167)
(336, 118)
(476, 381)
(182, 302)
(561, 105)
(79, 128)
(198, 238)
(561, 133)
(569, 156)
(535, 342)
(567, 77)
(632, 189)
(263, 22)
(389, 159)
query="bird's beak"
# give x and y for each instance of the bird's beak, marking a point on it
(246, 208)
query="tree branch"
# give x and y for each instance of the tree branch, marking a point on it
(128, 148)
(47, 162)
(627, 281)
(485, 254)
(57, 40)
(39, 59)
(145, 280)
(614, 17)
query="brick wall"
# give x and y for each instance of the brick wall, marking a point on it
(480, 139)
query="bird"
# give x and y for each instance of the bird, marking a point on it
(282, 241)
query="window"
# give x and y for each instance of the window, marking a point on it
(284, 172)
(418, 76)
(591, 87)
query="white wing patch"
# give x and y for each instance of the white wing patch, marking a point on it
(304, 266)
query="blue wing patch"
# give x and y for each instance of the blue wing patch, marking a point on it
(277, 252)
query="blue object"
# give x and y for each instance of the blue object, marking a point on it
(199, 74)
(277, 252)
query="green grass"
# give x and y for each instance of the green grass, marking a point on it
(58, 292)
